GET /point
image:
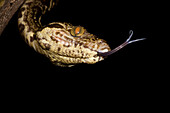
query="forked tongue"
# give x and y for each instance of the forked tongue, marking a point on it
(128, 41)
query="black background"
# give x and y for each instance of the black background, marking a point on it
(126, 71)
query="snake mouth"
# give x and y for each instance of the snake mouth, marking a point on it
(71, 60)
(128, 41)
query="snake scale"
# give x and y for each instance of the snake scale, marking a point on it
(64, 44)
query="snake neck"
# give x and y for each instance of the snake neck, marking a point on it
(29, 18)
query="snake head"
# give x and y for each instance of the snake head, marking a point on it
(67, 45)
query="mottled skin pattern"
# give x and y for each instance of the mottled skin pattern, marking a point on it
(63, 43)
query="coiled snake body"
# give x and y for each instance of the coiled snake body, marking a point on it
(63, 43)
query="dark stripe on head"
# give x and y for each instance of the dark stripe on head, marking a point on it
(55, 26)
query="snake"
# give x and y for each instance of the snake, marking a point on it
(62, 43)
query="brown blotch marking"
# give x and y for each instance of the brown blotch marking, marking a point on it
(93, 46)
(32, 38)
(66, 45)
(86, 54)
(95, 56)
(93, 39)
(38, 38)
(85, 46)
(47, 46)
(61, 35)
(69, 51)
(59, 48)
(56, 41)
(21, 27)
(82, 54)
(53, 38)
(25, 18)
(67, 38)
(81, 43)
(75, 44)
(57, 33)
(44, 38)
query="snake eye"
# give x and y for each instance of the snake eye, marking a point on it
(77, 31)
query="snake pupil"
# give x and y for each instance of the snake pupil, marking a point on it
(77, 31)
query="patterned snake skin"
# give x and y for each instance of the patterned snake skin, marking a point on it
(64, 44)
